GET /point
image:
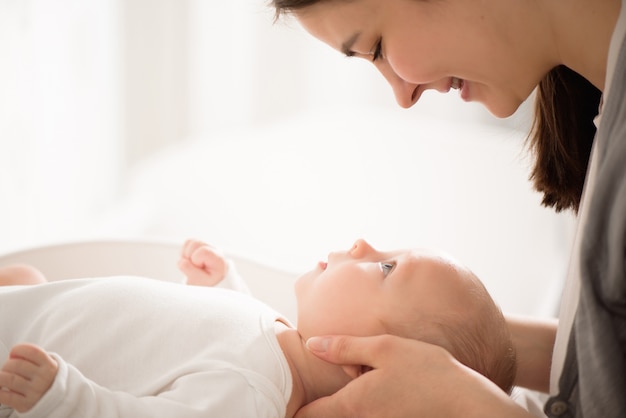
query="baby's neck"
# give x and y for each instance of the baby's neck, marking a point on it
(312, 378)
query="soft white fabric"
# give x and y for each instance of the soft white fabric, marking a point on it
(232, 280)
(135, 347)
(569, 301)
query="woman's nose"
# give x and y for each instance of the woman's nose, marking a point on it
(360, 249)
(405, 92)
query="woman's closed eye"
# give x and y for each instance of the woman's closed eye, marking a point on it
(377, 51)
(386, 267)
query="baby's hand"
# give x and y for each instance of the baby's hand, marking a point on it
(202, 264)
(26, 376)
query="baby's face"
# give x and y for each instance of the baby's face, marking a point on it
(357, 291)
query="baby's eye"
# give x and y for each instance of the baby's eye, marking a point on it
(386, 267)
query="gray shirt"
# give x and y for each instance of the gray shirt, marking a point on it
(593, 381)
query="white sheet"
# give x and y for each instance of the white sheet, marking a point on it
(150, 258)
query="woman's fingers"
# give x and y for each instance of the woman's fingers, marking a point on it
(341, 404)
(390, 386)
(363, 351)
(406, 379)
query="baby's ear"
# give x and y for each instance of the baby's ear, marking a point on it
(354, 371)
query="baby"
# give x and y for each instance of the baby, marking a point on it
(137, 347)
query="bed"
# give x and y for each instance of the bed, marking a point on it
(150, 258)
(157, 259)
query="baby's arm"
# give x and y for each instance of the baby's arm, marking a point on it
(202, 264)
(72, 395)
(26, 376)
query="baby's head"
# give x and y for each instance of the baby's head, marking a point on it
(413, 294)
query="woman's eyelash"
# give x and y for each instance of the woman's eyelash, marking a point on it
(378, 50)
(387, 267)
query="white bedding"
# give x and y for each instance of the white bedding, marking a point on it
(149, 258)
(157, 259)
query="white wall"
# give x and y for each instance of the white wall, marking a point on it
(154, 87)
(60, 140)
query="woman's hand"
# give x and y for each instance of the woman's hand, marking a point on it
(26, 376)
(409, 378)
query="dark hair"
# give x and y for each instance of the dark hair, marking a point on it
(562, 131)
(283, 7)
(562, 135)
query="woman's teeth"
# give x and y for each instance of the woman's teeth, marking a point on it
(456, 83)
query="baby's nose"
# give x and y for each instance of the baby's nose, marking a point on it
(360, 248)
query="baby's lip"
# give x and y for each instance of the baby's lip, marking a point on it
(322, 265)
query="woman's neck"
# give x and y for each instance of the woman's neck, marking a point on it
(312, 378)
(582, 32)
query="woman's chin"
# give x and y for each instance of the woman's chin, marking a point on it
(501, 112)
(501, 109)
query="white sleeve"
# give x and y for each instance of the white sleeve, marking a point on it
(220, 392)
(233, 280)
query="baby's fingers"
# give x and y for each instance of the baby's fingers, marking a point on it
(193, 274)
(22, 375)
(192, 245)
(189, 247)
(35, 355)
(29, 370)
(16, 392)
(210, 259)
(21, 368)
(13, 383)
(10, 397)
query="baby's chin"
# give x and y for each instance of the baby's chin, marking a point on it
(305, 334)
(301, 283)
(308, 327)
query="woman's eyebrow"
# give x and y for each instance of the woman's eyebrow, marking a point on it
(346, 47)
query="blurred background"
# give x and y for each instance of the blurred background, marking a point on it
(167, 119)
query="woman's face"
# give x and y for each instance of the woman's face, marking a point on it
(438, 44)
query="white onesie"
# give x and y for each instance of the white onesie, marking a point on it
(135, 347)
